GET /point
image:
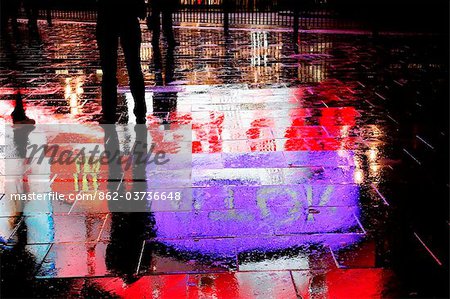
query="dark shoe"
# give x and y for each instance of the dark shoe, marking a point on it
(106, 121)
(25, 120)
(140, 111)
(141, 120)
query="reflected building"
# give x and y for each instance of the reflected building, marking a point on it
(313, 65)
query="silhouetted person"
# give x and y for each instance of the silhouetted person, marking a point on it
(32, 11)
(18, 115)
(17, 263)
(164, 8)
(164, 100)
(9, 12)
(119, 20)
(131, 225)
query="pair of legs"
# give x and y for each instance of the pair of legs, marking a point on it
(167, 24)
(32, 11)
(108, 36)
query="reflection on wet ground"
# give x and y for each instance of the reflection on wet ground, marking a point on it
(316, 169)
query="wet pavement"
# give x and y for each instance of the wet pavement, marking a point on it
(317, 168)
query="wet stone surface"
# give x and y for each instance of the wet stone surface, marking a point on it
(318, 169)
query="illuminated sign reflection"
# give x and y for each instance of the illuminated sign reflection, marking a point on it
(242, 216)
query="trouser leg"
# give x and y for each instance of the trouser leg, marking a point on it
(15, 14)
(32, 15)
(170, 66)
(131, 44)
(158, 66)
(108, 45)
(4, 16)
(156, 24)
(167, 24)
(19, 110)
(48, 11)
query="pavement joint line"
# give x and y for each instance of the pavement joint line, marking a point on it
(43, 258)
(360, 224)
(438, 261)
(121, 182)
(52, 180)
(425, 142)
(414, 158)
(334, 258)
(103, 227)
(379, 194)
(380, 96)
(73, 205)
(16, 228)
(326, 131)
(391, 118)
(401, 84)
(138, 268)
(370, 103)
(293, 283)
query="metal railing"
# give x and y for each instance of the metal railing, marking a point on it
(297, 14)
(216, 12)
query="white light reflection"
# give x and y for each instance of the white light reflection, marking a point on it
(260, 48)
(73, 91)
(359, 176)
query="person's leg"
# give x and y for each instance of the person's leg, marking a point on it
(15, 15)
(167, 24)
(4, 17)
(18, 115)
(158, 65)
(19, 110)
(107, 40)
(31, 11)
(170, 65)
(48, 11)
(130, 37)
(155, 24)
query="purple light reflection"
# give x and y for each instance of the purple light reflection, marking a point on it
(233, 218)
